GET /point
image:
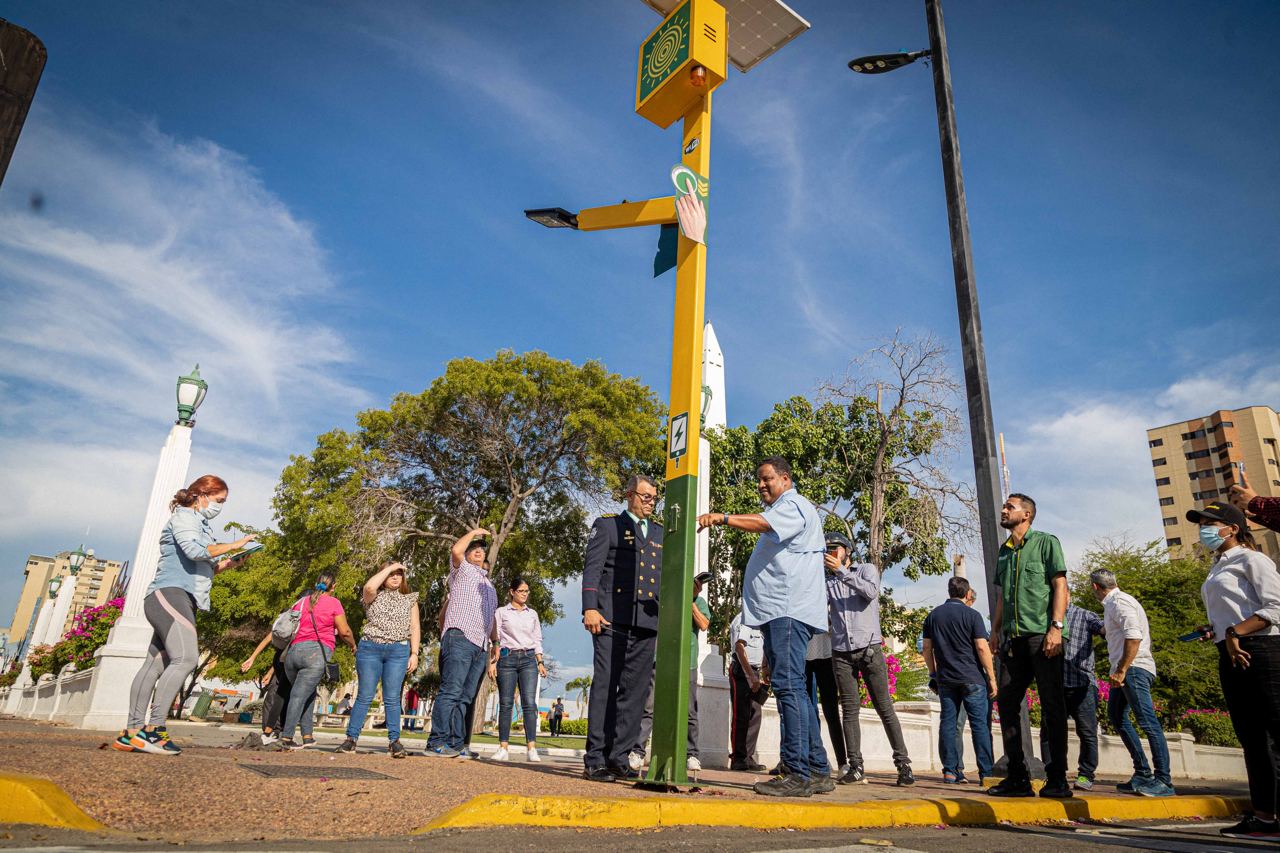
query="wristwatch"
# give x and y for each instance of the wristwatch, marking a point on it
(1058, 623)
(1231, 632)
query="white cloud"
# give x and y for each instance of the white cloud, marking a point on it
(150, 254)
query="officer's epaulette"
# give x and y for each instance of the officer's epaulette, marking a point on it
(609, 515)
(655, 521)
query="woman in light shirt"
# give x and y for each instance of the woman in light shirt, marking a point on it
(516, 659)
(1242, 597)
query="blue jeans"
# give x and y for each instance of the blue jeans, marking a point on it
(304, 664)
(522, 667)
(385, 662)
(977, 707)
(462, 665)
(785, 642)
(1136, 696)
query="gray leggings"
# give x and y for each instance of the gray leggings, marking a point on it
(173, 655)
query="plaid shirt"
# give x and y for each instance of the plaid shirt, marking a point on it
(472, 603)
(1077, 647)
(1266, 511)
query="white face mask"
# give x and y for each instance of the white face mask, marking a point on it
(211, 511)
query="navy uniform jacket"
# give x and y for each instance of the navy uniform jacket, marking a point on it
(623, 571)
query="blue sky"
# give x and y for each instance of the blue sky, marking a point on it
(321, 203)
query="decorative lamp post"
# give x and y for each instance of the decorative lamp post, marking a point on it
(65, 593)
(76, 559)
(119, 660)
(191, 391)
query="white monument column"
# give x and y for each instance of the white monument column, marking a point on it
(37, 632)
(58, 617)
(42, 620)
(120, 659)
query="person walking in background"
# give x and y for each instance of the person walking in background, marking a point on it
(516, 661)
(1242, 597)
(1080, 690)
(1133, 671)
(184, 574)
(555, 717)
(958, 657)
(1031, 577)
(275, 692)
(411, 704)
(621, 576)
(388, 651)
(854, 596)
(783, 595)
(322, 621)
(467, 627)
(748, 689)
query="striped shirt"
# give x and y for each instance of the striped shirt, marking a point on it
(472, 603)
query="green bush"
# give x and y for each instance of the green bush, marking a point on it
(1211, 728)
(569, 727)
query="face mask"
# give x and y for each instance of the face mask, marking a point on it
(1210, 538)
(212, 510)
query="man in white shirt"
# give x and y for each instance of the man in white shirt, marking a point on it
(1133, 671)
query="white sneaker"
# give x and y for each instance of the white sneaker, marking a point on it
(500, 755)
(635, 761)
(267, 740)
(533, 754)
(693, 764)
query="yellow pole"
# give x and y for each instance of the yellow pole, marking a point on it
(671, 690)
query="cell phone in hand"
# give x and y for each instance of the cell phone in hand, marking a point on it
(1197, 634)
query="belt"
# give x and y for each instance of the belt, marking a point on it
(507, 651)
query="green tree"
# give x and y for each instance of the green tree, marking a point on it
(1168, 587)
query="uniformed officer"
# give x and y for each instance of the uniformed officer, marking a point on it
(620, 583)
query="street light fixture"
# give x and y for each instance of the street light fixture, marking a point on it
(882, 62)
(54, 585)
(553, 217)
(76, 559)
(191, 391)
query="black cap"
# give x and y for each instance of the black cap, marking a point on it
(703, 577)
(834, 538)
(1218, 511)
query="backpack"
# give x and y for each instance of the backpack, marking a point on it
(285, 627)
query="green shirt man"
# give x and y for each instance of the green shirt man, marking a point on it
(1025, 573)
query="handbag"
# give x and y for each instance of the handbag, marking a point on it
(285, 627)
(332, 675)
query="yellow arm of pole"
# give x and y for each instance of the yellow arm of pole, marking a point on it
(655, 211)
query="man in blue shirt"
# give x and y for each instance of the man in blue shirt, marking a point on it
(783, 594)
(958, 656)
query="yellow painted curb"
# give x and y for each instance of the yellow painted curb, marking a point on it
(30, 799)
(652, 812)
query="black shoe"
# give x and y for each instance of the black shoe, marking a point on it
(853, 776)
(780, 769)
(624, 774)
(905, 778)
(1012, 788)
(747, 768)
(1253, 827)
(1057, 790)
(821, 784)
(599, 774)
(397, 750)
(790, 785)
(348, 745)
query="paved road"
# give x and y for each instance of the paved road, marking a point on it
(1174, 838)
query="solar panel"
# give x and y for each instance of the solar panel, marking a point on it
(757, 28)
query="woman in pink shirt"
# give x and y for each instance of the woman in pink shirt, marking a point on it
(322, 621)
(517, 658)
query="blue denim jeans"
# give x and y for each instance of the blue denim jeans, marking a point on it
(304, 664)
(518, 668)
(462, 665)
(379, 662)
(977, 707)
(1136, 697)
(785, 642)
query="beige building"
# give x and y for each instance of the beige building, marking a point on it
(1196, 462)
(94, 584)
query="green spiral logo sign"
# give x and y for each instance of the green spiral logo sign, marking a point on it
(665, 51)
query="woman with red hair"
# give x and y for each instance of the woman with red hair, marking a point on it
(184, 575)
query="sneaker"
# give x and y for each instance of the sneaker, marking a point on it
(789, 785)
(1056, 790)
(307, 742)
(287, 743)
(821, 784)
(348, 745)
(599, 774)
(533, 754)
(397, 750)
(635, 761)
(779, 769)
(1253, 827)
(466, 754)
(1084, 783)
(501, 755)
(1135, 782)
(853, 776)
(905, 778)
(844, 768)
(124, 742)
(747, 767)
(270, 739)
(1156, 788)
(440, 752)
(693, 765)
(1012, 788)
(154, 743)
(949, 778)
(625, 773)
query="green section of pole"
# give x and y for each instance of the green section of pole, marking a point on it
(675, 623)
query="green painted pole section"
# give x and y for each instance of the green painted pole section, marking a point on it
(675, 624)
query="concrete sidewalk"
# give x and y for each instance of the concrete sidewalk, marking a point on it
(215, 793)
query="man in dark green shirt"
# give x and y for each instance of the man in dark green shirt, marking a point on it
(1031, 578)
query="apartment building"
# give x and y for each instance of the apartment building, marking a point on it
(94, 586)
